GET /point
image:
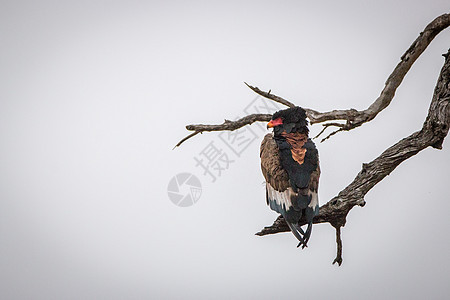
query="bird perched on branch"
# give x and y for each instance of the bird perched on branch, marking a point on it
(290, 165)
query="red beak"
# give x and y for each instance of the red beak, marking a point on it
(274, 123)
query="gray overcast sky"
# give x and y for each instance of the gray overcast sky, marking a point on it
(94, 95)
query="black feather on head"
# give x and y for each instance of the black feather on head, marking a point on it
(294, 120)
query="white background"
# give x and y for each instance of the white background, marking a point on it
(94, 95)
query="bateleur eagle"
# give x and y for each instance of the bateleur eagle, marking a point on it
(290, 165)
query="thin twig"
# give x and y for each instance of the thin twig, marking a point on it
(270, 96)
(186, 138)
(325, 126)
(331, 134)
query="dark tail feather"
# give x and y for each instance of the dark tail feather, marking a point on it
(307, 234)
(297, 233)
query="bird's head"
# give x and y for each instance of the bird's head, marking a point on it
(289, 120)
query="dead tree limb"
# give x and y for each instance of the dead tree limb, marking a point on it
(433, 133)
